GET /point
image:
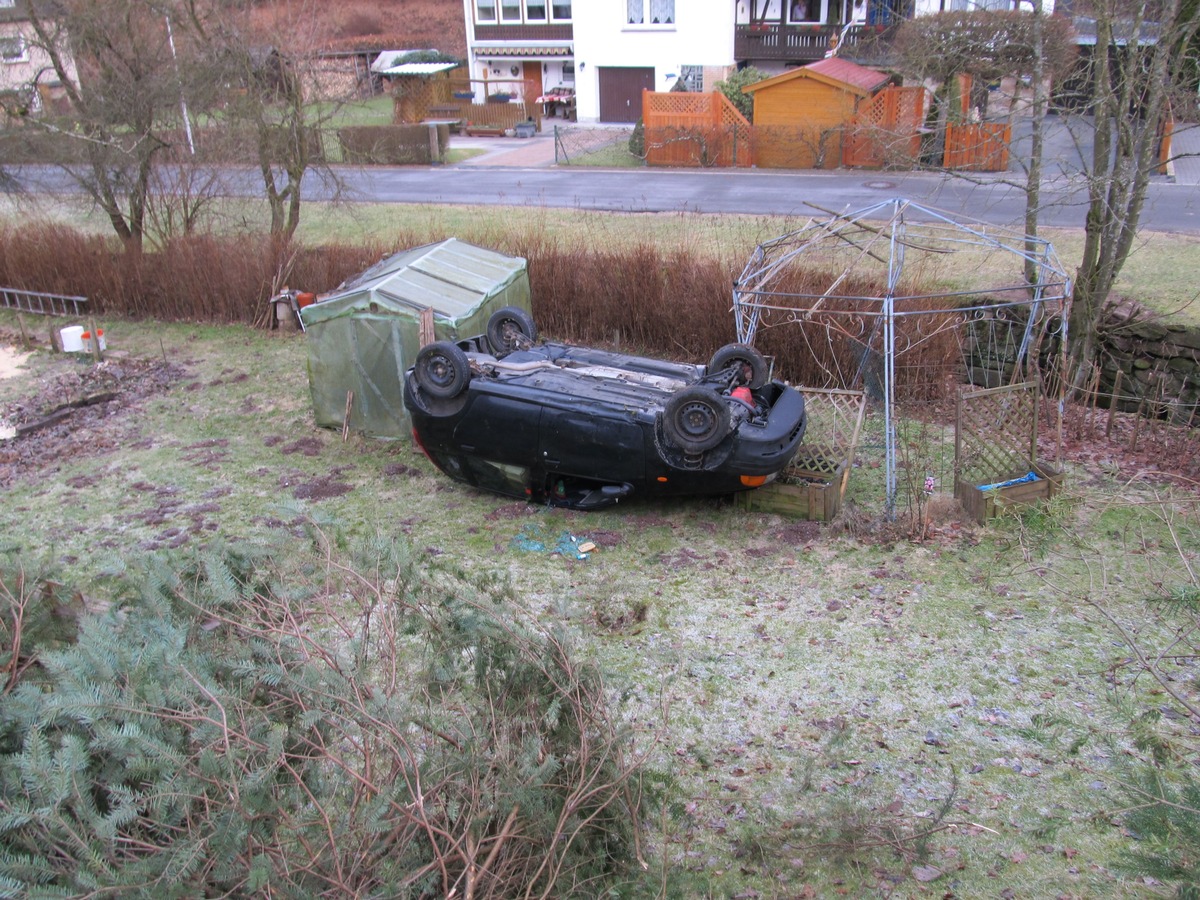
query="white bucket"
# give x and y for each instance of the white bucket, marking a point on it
(72, 339)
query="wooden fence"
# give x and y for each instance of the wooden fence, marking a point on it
(683, 129)
(886, 133)
(977, 146)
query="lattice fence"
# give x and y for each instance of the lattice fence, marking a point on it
(996, 436)
(685, 129)
(835, 420)
(886, 132)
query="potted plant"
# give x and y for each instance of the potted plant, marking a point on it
(464, 95)
(499, 97)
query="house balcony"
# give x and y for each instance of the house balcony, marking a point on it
(524, 32)
(807, 43)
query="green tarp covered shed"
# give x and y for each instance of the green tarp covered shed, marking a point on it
(363, 336)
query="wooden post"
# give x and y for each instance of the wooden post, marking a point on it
(1095, 392)
(425, 332)
(96, 354)
(24, 334)
(346, 419)
(55, 338)
(1112, 404)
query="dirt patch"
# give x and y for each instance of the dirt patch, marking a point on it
(80, 412)
(11, 361)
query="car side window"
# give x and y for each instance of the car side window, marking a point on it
(499, 477)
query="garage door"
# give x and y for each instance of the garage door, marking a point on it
(621, 92)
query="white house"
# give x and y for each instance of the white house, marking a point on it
(608, 51)
(26, 75)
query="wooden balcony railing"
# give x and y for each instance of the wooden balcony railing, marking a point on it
(519, 31)
(805, 43)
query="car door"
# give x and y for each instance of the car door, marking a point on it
(605, 449)
(500, 428)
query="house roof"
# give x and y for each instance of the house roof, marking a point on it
(832, 70)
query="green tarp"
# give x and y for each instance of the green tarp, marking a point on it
(363, 336)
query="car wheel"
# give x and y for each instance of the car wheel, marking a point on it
(744, 355)
(696, 419)
(508, 328)
(442, 370)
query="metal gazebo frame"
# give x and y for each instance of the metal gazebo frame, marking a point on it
(886, 235)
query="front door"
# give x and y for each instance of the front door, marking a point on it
(621, 92)
(531, 74)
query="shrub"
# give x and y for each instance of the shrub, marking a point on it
(387, 145)
(243, 722)
(732, 86)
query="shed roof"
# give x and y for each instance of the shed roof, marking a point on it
(831, 70)
(452, 277)
(385, 58)
(418, 68)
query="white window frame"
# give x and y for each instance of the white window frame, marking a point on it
(554, 16)
(545, 4)
(495, 5)
(644, 18)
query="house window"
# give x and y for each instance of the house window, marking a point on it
(535, 11)
(693, 78)
(569, 72)
(485, 10)
(650, 12)
(804, 11)
(13, 50)
(510, 10)
(561, 10)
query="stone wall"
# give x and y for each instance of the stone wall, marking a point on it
(1159, 366)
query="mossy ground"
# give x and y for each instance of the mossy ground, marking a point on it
(821, 695)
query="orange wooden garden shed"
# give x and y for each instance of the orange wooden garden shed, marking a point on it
(800, 117)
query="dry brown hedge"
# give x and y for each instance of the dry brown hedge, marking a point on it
(673, 303)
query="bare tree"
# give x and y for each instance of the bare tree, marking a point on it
(123, 74)
(274, 101)
(1141, 61)
(984, 45)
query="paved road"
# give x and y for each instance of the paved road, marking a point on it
(1169, 206)
(521, 173)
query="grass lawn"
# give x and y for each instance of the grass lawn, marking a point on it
(857, 708)
(843, 709)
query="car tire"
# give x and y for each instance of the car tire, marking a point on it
(442, 370)
(508, 327)
(696, 419)
(734, 354)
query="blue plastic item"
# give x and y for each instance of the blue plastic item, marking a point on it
(1032, 476)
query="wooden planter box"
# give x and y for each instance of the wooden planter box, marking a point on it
(802, 496)
(983, 505)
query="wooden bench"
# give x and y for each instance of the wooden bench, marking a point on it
(445, 111)
(483, 131)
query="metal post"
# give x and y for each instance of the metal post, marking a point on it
(187, 122)
(895, 267)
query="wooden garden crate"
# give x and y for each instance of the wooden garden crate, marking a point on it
(982, 504)
(813, 485)
(800, 495)
(995, 442)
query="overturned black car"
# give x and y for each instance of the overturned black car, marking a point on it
(583, 428)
